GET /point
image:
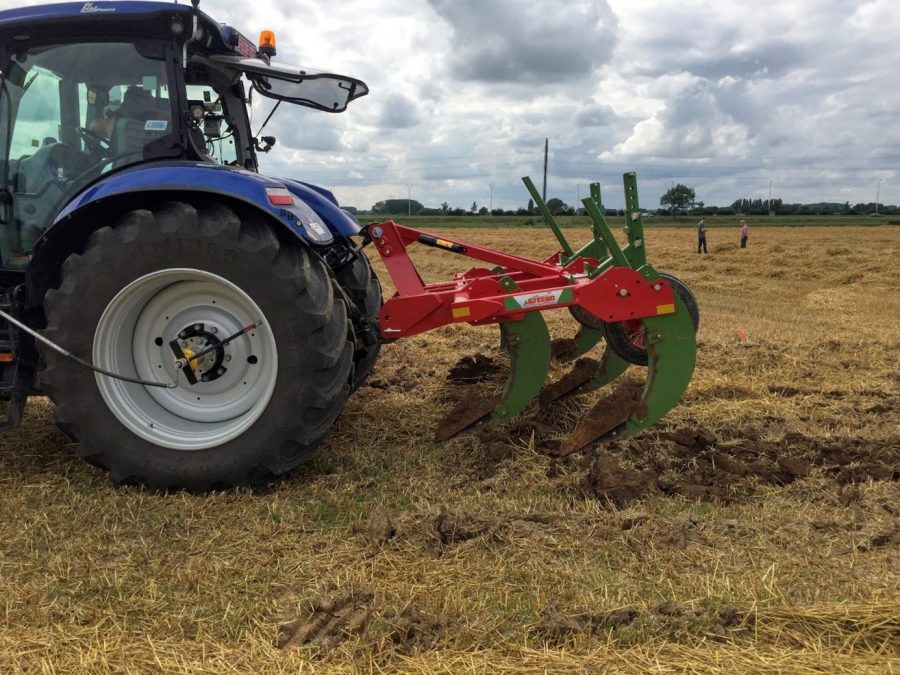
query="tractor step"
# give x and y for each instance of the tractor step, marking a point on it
(16, 366)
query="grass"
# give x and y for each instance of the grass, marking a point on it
(793, 577)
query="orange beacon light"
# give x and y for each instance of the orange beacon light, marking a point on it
(267, 43)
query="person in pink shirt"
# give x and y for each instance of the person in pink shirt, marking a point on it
(745, 232)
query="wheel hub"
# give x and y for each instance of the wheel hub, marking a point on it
(181, 313)
(193, 340)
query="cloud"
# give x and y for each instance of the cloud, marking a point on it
(538, 43)
(722, 96)
(398, 112)
(594, 115)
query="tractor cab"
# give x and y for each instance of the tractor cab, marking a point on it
(70, 113)
(90, 89)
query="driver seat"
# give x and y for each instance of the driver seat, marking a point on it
(137, 123)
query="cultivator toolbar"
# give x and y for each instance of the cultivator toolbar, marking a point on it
(646, 318)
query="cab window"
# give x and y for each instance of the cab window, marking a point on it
(211, 132)
(70, 113)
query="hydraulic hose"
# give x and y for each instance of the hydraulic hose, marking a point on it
(69, 355)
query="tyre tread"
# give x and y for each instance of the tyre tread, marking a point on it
(324, 321)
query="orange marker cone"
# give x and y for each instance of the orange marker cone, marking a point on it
(742, 335)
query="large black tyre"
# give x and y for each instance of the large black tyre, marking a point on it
(362, 287)
(213, 269)
(626, 338)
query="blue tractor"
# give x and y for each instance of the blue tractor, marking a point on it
(226, 315)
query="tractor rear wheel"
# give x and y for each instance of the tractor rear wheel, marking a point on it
(359, 282)
(191, 276)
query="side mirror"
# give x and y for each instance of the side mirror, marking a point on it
(264, 144)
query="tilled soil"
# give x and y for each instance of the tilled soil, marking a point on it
(668, 617)
(608, 414)
(694, 463)
(698, 466)
(469, 369)
(412, 631)
(583, 370)
(467, 413)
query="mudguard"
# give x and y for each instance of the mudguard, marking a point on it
(310, 206)
(323, 202)
(313, 217)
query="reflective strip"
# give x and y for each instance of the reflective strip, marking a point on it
(6, 357)
(280, 196)
(461, 312)
(665, 309)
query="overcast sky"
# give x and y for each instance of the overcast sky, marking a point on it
(723, 96)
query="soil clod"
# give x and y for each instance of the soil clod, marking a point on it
(556, 626)
(329, 620)
(604, 417)
(465, 414)
(493, 449)
(413, 631)
(563, 349)
(471, 369)
(609, 482)
(380, 529)
(583, 370)
(453, 527)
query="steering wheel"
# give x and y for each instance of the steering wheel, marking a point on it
(94, 141)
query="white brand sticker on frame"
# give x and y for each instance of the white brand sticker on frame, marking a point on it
(538, 299)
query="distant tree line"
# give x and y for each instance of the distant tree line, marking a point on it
(753, 207)
(402, 206)
(678, 200)
(681, 199)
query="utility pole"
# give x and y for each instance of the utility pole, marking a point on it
(771, 210)
(546, 148)
(578, 202)
(877, 194)
(408, 200)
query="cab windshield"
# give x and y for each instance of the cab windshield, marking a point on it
(69, 114)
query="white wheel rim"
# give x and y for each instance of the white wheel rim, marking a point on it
(132, 338)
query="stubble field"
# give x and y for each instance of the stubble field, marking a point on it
(755, 529)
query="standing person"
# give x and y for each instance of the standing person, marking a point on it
(701, 235)
(745, 232)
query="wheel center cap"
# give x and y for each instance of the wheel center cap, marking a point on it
(197, 340)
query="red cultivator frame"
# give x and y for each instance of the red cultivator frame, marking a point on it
(610, 290)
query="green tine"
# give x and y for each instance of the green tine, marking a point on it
(604, 233)
(528, 344)
(601, 247)
(634, 223)
(672, 353)
(548, 217)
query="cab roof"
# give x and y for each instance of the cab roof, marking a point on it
(134, 19)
